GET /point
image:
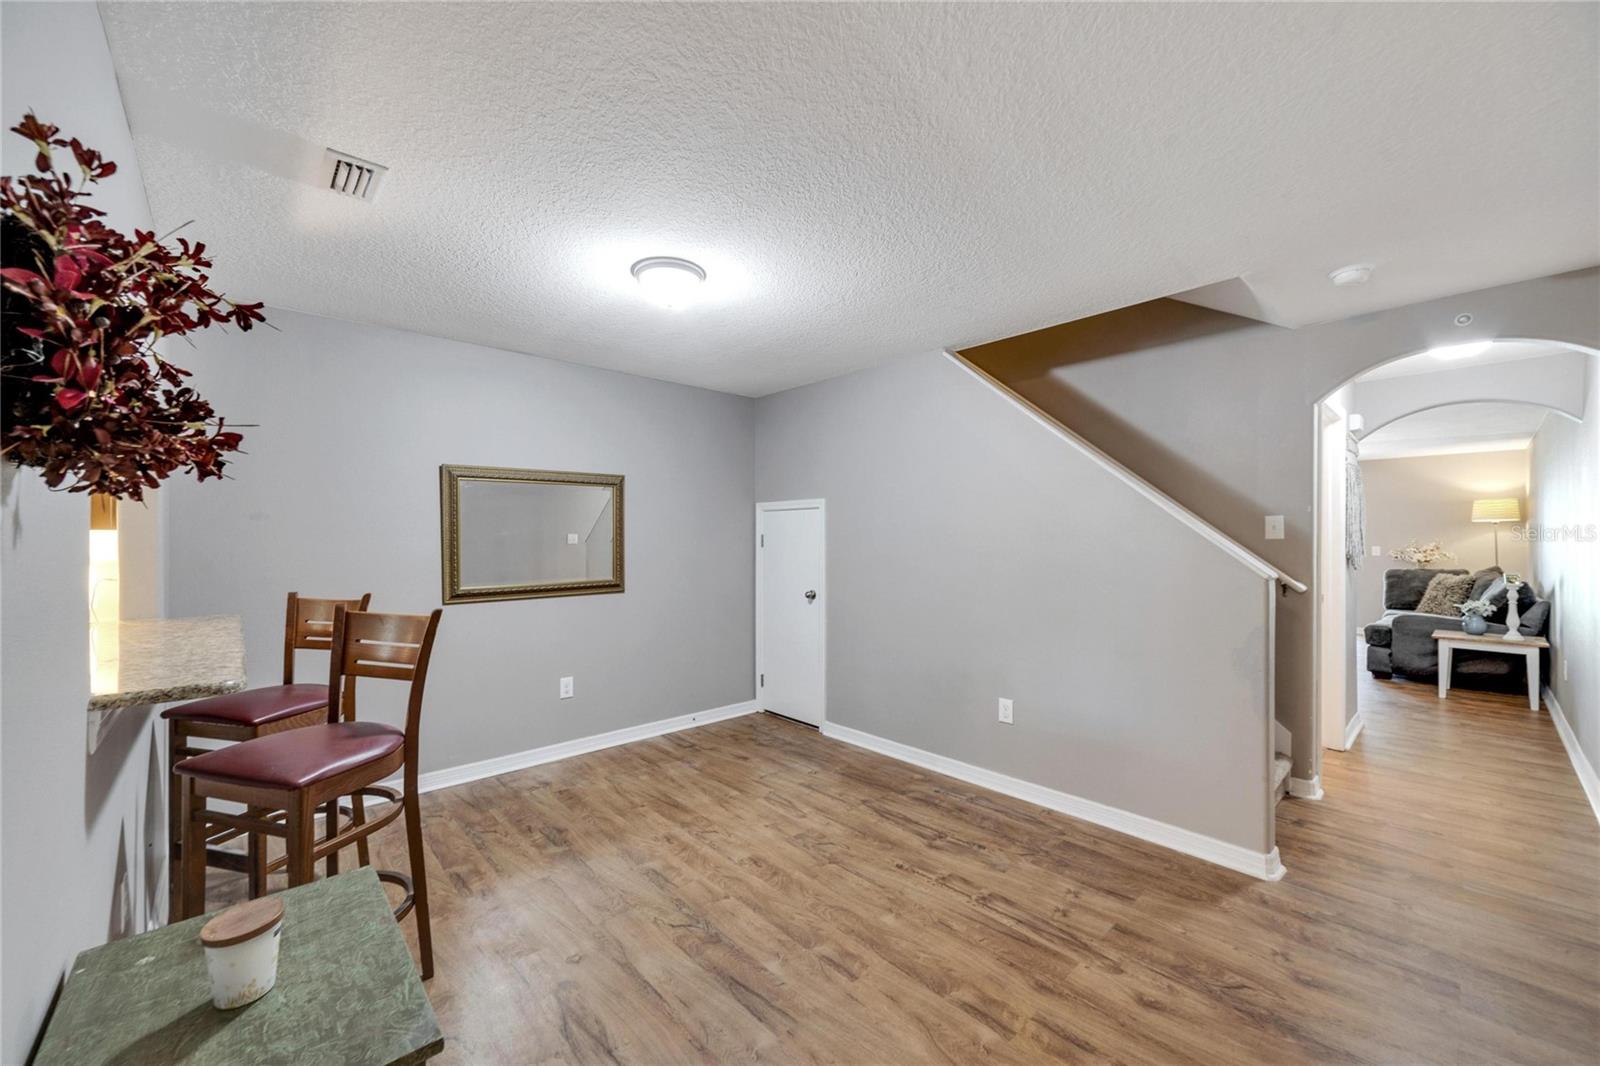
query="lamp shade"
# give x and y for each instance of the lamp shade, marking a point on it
(1502, 510)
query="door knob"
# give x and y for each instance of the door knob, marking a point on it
(811, 594)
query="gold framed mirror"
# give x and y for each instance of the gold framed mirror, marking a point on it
(509, 534)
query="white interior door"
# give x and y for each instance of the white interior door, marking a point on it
(791, 605)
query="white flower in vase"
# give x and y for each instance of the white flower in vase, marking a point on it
(1475, 615)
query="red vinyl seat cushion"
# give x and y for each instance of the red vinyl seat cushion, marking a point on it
(253, 707)
(299, 757)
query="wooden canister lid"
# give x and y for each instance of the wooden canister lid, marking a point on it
(242, 922)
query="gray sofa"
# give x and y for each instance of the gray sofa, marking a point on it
(1401, 642)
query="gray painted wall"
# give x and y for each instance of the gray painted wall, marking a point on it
(1429, 497)
(973, 554)
(1216, 411)
(72, 824)
(1564, 498)
(339, 495)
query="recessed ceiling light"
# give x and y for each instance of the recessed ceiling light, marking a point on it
(1354, 274)
(1460, 351)
(668, 281)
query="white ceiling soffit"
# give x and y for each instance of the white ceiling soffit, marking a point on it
(1458, 428)
(859, 181)
(1514, 351)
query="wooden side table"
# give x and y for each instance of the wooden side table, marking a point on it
(347, 992)
(1528, 647)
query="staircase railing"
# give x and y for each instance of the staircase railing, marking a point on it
(1210, 532)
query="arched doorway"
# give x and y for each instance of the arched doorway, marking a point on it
(1414, 388)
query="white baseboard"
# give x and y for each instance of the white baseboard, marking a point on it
(1301, 788)
(1580, 762)
(505, 764)
(1354, 727)
(1264, 865)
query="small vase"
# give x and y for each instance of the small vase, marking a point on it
(1474, 625)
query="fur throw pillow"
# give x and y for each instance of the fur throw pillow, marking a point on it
(1445, 593)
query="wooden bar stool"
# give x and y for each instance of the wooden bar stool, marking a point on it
(301, 770)
(240, 716)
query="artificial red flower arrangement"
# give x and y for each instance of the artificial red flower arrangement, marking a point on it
(88, 399)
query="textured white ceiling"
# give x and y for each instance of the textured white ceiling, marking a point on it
(1462, 427)
(860, 181)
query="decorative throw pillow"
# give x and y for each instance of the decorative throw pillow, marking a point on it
(1446, 592)
(1482, 579)
(1535, 618)
(1403, 586)
(1499, 595)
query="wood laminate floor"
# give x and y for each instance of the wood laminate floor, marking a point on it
(751, 891)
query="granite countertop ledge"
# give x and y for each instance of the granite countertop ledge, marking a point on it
(160, 660)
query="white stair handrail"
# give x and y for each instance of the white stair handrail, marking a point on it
(1139, 484)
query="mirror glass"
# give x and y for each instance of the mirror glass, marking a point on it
(522, 533)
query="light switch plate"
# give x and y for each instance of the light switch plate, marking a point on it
(1274, 527)
(1376, 551)
(572, 538)
(566, 688)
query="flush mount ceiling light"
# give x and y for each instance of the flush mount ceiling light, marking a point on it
(1354, 274)
(1451, 352)
(667, 281)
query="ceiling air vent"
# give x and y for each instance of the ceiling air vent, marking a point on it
(349, 176)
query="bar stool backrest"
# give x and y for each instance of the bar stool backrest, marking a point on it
(309, 625)
(396, 647)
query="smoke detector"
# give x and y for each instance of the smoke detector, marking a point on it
(350, 176)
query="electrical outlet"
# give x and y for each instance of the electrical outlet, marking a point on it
(566, 688)
(1005, 710)
(572, 538)
(1274, 527)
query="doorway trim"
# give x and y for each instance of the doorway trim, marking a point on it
(1333, 647)
(762, 508)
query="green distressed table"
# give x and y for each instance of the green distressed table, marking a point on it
(347, 993)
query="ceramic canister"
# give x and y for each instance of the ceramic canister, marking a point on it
(241, 947)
